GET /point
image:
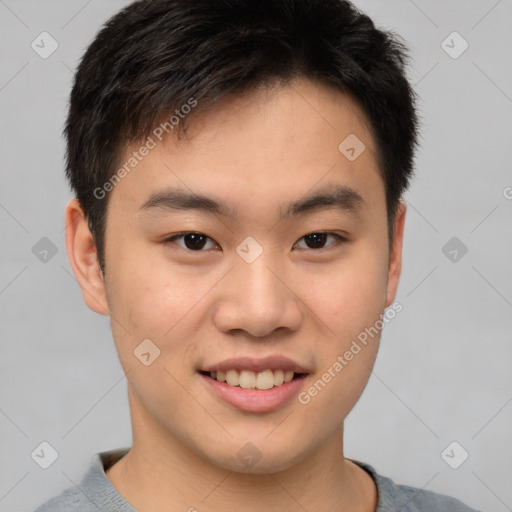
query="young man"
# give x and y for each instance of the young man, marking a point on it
(238, 169)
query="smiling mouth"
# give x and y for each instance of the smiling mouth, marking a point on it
(247, 379)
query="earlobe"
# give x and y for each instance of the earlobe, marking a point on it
(83, 258)
(395, 258)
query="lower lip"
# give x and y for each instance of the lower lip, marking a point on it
(255, 400)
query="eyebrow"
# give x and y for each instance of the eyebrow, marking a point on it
(340, 197)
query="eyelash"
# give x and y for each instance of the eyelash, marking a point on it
(339, 239)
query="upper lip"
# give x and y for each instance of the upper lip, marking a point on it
(256, 365)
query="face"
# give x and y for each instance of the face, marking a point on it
(280, 265)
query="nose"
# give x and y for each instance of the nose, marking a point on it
(257, 299)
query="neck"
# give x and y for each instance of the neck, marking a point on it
(160, 473)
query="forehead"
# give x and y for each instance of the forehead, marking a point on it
(269, 142)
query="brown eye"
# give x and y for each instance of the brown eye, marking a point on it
(192, 241)
(318, 240)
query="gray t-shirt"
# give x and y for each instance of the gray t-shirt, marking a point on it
(96, 493)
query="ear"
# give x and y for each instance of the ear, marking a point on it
(83, 258)
(395, 257)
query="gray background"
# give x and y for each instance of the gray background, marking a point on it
(443, 370)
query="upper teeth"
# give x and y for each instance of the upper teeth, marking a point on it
(250, 380)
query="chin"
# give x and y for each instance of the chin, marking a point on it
(258, 456)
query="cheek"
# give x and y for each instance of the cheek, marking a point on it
(160, 302)
(348, 301)
(349, 296)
